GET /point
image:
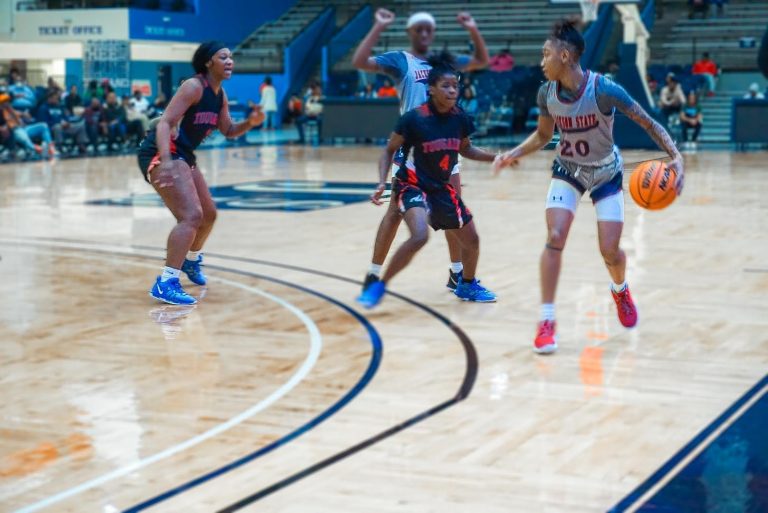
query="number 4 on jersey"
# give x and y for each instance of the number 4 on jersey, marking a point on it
(445, 162)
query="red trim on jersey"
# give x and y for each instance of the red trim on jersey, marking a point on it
(412, 178)
(578, 95)
(455, 201)
(424, 109)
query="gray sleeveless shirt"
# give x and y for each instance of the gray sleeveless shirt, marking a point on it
(586, 133)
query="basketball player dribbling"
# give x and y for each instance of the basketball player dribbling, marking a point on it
(581, 104)
(409, 70)
(167, 161)
(437, 131)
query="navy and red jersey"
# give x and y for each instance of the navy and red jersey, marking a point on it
(197, 123)
(435, 139)
(200, 119)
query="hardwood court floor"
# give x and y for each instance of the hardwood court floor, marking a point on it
(110, 400)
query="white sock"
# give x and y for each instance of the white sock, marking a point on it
(547, 311)
(456, 267)
(192, 255)
(618, 287)
(375, 269)
(168, 273)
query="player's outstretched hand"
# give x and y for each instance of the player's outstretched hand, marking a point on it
(503, 160)
(376, 196)
(466, 20)
(384, 17)
(676, 164)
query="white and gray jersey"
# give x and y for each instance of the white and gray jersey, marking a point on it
(584, 119)
(410, 75)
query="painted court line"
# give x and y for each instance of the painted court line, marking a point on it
(312, 357)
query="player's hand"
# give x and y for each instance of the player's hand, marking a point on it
(164, 175)
(676, 164)
(256, 116)
(384, 17)
(503, 160)
(376, 196)
(466, 20)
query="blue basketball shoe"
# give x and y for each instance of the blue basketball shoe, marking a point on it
(192, 269)
(473, 291)
(171, 292)
(372, 295)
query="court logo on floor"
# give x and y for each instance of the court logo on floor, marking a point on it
(286, 195)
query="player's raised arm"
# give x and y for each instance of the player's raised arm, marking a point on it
(617, 96)
(362, 59)
(480, 59)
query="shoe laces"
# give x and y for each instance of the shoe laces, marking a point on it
(624, 302)
(546, 328)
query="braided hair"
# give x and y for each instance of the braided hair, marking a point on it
(443, 63)
(566, 33)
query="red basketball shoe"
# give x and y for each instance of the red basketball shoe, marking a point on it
(546, 340)
(625, 307)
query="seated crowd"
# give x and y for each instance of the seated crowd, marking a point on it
(52, 122)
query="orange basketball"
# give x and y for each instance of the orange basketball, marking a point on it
(652, 185)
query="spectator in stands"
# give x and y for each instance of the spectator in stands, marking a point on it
(698, 6)
(116, 121)
(6, 135)
(158, 106)
(60, 123)
(295, 108)
(707, 69)
(95, 121)
(754, 93)
(313, 111)
(106, 87)
(691, 118)
(268, 103)
(136, 123)
(24, 129)
(502, 61)
(672, 97)
(139, 102)
(468, 102)
(94, 91)
(72, 100)
(53, 87)
(653, 87)
(367, 92)
(387, 90)
(22, 96)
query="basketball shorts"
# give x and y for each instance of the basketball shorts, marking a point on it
(601, 181)
(149, 157)
(444, 206)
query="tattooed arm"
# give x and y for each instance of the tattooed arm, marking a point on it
(611, 94)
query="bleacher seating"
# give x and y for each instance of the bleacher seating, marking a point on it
(679, 40)
(262, 51)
